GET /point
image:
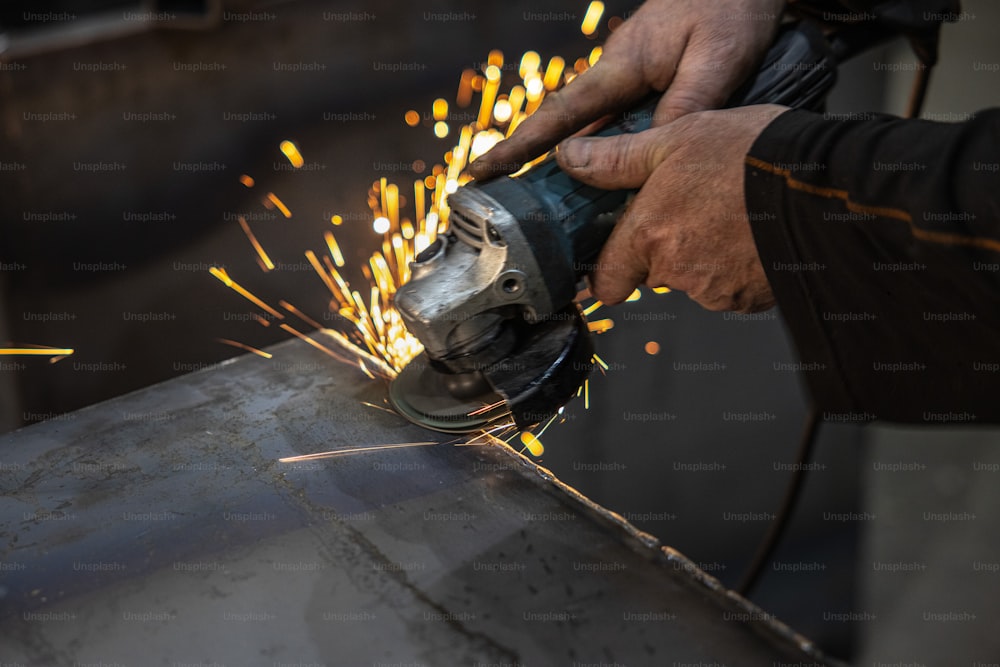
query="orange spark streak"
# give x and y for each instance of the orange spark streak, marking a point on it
(298, 313)
(311, 256)
(268, 264)
(37, 351)
(600, 326)
(322, 348)
(242, 291)
(354, 450)
(273, 198)
(331, 243)
(244, 346)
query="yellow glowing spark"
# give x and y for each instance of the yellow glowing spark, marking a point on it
(381, 225)
(336, 220)
(441, 129)
(298, 313)
(412, 118)
(595, 55)
(495, 58)
(246, 180)
(489, 96)
(263, 321)
(267, 264)
(592, 307)
(586, 394)
(634, 296)
(502, 111)
(331, 243)
(36, 351)
(465, 91)
(291, 152)
(593, 16)
(661, 290)
(440, 108)
(652, 348)
(484, 141)
(487, 408)
(553, 73)
(273, 198)
(322, 348)
(600, 326)
(600, 362)
(244, 346)
(242, 291)
(532, 443)
(353, 450)
(530, 62)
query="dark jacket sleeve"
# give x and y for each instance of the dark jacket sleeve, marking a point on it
(881, 240)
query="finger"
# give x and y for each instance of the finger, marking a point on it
(620, 162)
(619, 268)
(607, 87)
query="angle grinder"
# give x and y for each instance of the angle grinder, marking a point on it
(492, 300)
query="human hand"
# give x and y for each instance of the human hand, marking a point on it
(688, 227)
(698, 51)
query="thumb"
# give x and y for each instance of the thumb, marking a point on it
(614, 163)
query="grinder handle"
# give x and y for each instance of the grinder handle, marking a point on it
(798, 71)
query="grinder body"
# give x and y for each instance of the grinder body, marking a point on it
(492, 301)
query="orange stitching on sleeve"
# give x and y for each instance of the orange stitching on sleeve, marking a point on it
(943, 238)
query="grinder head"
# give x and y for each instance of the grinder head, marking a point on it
(492, 304)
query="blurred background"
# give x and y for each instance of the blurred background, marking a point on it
(126, 126)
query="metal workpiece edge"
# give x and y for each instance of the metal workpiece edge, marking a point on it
(765, 624)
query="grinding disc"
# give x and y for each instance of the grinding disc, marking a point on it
(419, 394)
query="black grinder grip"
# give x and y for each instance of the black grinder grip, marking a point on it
(571, 220)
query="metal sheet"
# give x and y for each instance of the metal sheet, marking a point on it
(160, 528)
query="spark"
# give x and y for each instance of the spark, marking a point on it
(589, 310)
(634, 296)
(600, 326)
(354, 450)
(37, 351)
(412, 118)
(529, 64)
(652, 348)
(291, 152)
(661, 290)
(298, 313)
(381, 225)
(273, 198)
(440, 109)
(336, 220)
(267, 264)
(244, 346)
(331, 243)
(487, 408)
(553, 73)
(247, 181)
(592, 18)
(532, 443)
(242, 291)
